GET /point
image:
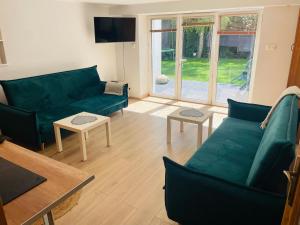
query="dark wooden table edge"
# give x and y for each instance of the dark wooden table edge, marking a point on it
(54, 204)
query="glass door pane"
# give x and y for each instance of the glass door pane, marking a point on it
(195, 62)
(163, 57)
(236, 45)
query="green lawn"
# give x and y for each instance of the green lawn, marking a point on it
(198, 69)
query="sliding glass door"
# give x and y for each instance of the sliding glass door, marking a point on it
(163, 39)
(237, 35)
(203, 58)
(195, 61)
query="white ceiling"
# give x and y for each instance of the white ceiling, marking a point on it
(123, 2)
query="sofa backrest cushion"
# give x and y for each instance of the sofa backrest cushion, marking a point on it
(52, 90)
(277, 148)
(245, 111)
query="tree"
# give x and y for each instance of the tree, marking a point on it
(196, 36)
(246, 23)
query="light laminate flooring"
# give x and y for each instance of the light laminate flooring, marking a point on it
(130, 174)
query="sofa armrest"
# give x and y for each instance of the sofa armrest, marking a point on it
(102, 86)
(247, 111)
(125, 90)
(20, 125)
(194, 198)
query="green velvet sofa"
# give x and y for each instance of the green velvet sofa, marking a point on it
(236, 176)
(34, 103)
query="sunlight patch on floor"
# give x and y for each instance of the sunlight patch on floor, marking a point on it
(218, 119)
(164, 112)
(160, 107)
(158, 100)
(218, 109)
(190, 105)
(142, 106)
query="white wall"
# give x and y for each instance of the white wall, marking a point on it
(272, 68)
(278, 28)
(130, 71)
(135, 60)
(195, 5)
(144, 55)
(44, 36)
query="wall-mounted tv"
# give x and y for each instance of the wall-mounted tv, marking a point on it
(114, 29)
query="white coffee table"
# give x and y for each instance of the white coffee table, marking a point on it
(207, 115)
(82, 130)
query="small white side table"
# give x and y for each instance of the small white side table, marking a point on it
(196, 120)
(82, 130)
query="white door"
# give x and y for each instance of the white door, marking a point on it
(195, 70)
(236, 40)
(164, 63)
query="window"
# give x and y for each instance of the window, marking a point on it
(237, 35)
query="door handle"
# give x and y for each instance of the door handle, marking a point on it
(292, 47)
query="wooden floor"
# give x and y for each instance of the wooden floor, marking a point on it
(130, 174)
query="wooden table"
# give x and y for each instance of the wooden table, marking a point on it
(82, 130)
(62, 182)
(207, 115)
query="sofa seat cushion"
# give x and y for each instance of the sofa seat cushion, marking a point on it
(229, 152)
(101, 104)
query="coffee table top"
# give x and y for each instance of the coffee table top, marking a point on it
(66, 122)
(191, 119)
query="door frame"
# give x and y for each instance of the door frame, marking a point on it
(214, 57)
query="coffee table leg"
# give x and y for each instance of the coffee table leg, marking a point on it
(108, 133)
(181, 126)
(58, 138)
(86, 135)
(82, 145)
(199, 138)
(210, 120)
(168, 131)
(48, 219)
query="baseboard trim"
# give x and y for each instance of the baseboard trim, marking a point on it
(140, 98)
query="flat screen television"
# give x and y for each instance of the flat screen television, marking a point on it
(114, 29)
